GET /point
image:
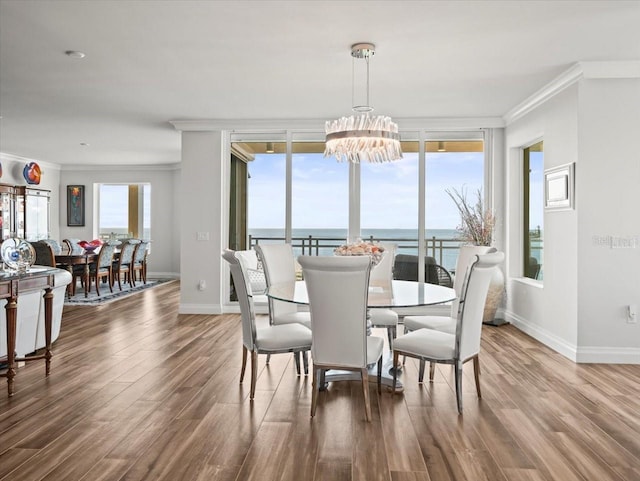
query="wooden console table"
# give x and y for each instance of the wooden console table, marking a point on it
(11, 284)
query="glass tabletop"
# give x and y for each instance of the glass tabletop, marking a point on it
(388, 295)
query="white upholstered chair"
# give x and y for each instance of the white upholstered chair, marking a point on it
(266, 340)
(448, 323)
(338, 291)
(278, 263)
(464, 344)
(383, 274)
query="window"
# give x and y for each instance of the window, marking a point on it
(291, 192)
(450, 164)
(124, 211)
(533, 201)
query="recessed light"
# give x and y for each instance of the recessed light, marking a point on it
(75, 54)
(84, 144)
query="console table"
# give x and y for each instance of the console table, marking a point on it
(11, 284)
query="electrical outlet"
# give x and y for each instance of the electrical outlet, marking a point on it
(202, 285)
(632, 314)
(202, 236)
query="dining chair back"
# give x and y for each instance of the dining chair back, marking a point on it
(55, 245)
(463, 345)
(123, 263)
(103, 267)
(73, 246)
(139, 263)
(245, 297)
(44, 254)
(382, 274)
(338, 292)
(268, 340)
(278, 263)
(447, 323)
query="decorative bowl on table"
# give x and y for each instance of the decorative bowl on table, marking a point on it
(17, 254)
(361, 248)
(90, 246)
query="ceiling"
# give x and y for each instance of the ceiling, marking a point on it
(149, 62)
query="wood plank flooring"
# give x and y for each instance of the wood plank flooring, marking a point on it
(138, 392)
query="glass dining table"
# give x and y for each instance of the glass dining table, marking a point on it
(388, 295)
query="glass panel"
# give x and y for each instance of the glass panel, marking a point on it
(455, 164)
(115, 210)
(319, 200)
(266, 192)
(534, 211)
(389, 201)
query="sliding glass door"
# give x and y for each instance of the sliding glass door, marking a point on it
(295, 194)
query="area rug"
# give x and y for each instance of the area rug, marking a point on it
(105, 296)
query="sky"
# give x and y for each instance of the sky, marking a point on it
(114, 206)
(389, 191)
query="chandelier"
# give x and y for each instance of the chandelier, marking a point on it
(363, 137)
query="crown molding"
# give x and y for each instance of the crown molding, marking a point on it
(316, 125)
(4, 157)
(119, 167)
(578, 71)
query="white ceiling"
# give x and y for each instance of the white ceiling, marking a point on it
(149, 62)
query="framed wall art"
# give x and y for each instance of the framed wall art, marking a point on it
(75, 205)
(559, 187)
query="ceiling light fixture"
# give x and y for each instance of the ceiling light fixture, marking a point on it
(441, 146)
(269, 148)
(363, 137)
(75, 54)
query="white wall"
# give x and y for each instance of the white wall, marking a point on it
(579, 307)
(201, 211)
(608, 196)
(164, 260)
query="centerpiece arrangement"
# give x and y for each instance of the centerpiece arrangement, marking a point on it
(90, 246)
(361, 248)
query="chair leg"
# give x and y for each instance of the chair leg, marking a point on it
(244, 363)
(421, 372)
(365, 391)
(391, 334)
(476, 374)
(395, 372)
(315, 390)
(254, 374)
(305, 363)
(432, 370)
(379, 376)
(268, 358)
(97, 285)
(296, 358)
(458, 377)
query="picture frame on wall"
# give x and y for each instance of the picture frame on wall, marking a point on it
(559, 187)
(75, 205)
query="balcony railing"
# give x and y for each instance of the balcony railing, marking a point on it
(443, 250)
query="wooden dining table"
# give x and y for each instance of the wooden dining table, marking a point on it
(67, 261)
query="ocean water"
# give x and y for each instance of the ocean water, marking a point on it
(323, 241)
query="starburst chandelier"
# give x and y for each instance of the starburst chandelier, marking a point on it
(363, 137)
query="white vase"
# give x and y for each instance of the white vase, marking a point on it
(496, 287)
(494, 298)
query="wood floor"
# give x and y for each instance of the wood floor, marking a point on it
(140, 392)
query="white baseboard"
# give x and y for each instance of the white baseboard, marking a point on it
(163, 275)
(609, 355)
(200, 309)
(579, 354)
